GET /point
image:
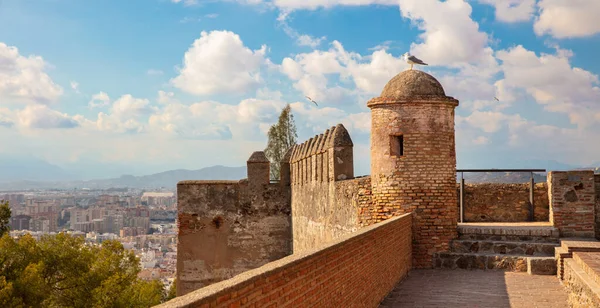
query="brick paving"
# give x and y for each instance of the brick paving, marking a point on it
(464, 288)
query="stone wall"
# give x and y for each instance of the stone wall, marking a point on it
(358, 270)
(572, 202)
(325, 196)
(496, 202)
(229, 227)
(597, 208)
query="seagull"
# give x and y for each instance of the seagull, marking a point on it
(412, 60)
(310, 99)
(496, 98)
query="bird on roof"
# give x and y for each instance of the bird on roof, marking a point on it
(410, 59)
(310, 99)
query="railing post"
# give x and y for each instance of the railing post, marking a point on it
(531, 200)
(462, 197)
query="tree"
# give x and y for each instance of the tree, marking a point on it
(282, 136)
(5, 214)
(63, 271)
(172, 290)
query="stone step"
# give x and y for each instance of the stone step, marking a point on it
(570, 245)
(504, 247)
(590, 263)
(584, 290)
(482, 261)
(541, 266)
(454, 260)
(580, 244)
(560, 254)
(532, 232)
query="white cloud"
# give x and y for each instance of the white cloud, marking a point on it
(489, 121)
(553, 83)
(111, 123)
(481, 140)
(301, 39)
(40, 116)
(154, 72)
(311, 73)
(314, 120)
(218, 62)
(314, 4)
(6, 118)
(25, 79)
(99, 100)
(512, 10)
(307, 40)
(186, 20)
(450, 36)
(75, 86)
(568, 18)
(128, 106)
(213, 15)
(385, 46)
(210, 120)
(267, 94)
(127, 114)
(165, 97)
(372, 76)
(186, 2)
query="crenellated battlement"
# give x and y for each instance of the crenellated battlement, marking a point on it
(323, 158)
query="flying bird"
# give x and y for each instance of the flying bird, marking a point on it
(496, 98)
(412, 60)
(310, 99)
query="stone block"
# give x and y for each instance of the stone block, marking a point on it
(541, 266)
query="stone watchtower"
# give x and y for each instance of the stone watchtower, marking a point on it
(413, 160)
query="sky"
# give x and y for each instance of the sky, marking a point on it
(141, 86)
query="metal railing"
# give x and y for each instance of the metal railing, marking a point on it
(531, 187)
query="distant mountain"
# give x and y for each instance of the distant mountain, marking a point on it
(13, 168)
(502, 177)
(166, 179)
(512, 177)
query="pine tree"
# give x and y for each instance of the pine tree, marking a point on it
(282, 136)
(4, 217)
(63, 271)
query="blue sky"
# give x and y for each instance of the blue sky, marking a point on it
(152, 85)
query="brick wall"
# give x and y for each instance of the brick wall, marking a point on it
(597, 189)
(572, 202)
(423, 179)
(229, 227)
(359, 270)
(495, 202)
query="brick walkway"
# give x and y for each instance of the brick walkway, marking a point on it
(464, 288)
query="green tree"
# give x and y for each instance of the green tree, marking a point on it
(4, 217)
(63, 271)
(172, 290)
(282, 136)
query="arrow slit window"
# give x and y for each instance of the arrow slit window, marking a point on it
(397, 145)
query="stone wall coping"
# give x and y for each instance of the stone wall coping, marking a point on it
(413, 100)
(248, 277)
(356, 178)
(208, 182)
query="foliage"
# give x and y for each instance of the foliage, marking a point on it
(4, 218)
(172, 290)
(62, 271)
(282, 136)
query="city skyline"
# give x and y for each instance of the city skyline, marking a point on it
(150, 86)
